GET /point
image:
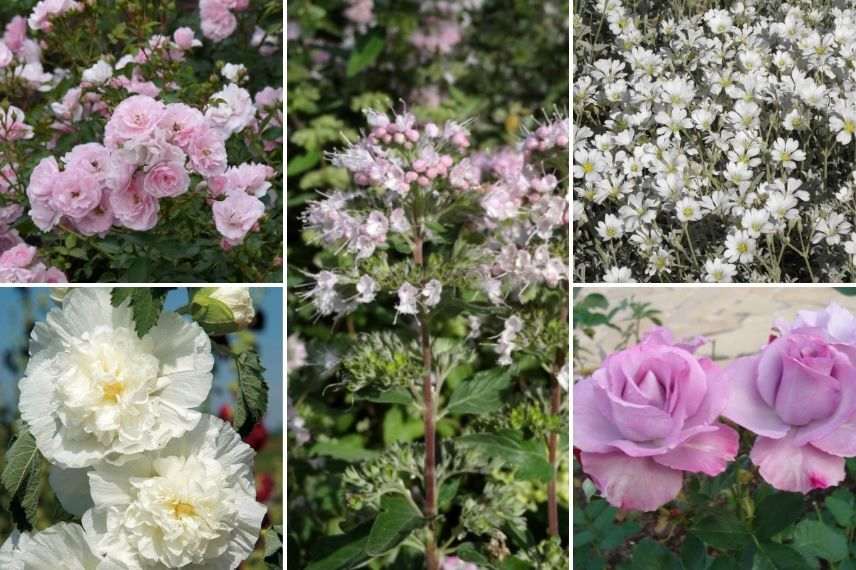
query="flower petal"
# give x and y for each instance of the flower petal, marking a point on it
(707, 452)
(745, 405)
(593, 432)
(184, 352)
(632, 483)
(789, 467)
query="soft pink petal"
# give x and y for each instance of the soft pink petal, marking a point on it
(801, 469)
(841, 442)
(745, 406)
(632, 483)
(716, 397)
(708, 452)
(593, 432)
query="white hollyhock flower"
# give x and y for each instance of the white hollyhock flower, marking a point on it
(63, 545)
(94, 390)
(189, 505)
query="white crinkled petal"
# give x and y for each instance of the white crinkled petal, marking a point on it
(184, 351)
(95, 391)
(71, 487)
(63, 545)
(190, 505)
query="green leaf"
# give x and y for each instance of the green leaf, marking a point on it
(848, 291)
(22, 478)
(481, 394)
(146, 305)
(300, 164)
(693, 554)
(469, 553)
(775, 556)
(397, 518)
(394, 396)
(724, 531)
(346, 551)
(398, 429)
(529, 457)
(816, 539)
(842, 505)
(350, 449)
(777, 512)
(273, 542)
(365, 54)
(651, 554)
(252, 399)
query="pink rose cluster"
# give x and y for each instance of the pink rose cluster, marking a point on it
(20, 264)
(649, 414)
(20, 57)
(149, 151)
(45, 10)
(218, 18)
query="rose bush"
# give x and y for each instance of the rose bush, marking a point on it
(141, 143)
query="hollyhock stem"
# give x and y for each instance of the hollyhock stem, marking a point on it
(430, 508)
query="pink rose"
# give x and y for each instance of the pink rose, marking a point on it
(166, 180)
(179, 123)
(10, 214)
(207, 152)
(134, 208)
(40, 191)
(5, 54)
(218, 23)
(99, 220)
(19, 256)
(16, 33)
(249, 177)
(46, 9)
(236, 215)
(185, 39)
(799, 396)
(455, 563)
(231, 111)
(76, 193)
(12, 125)
(89, 157)
(134, 118)
(646, 416)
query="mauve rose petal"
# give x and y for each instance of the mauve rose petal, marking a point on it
(799, 381)
(708, 452)
(796, 468)
(745, 405)
(592, 430)
(630, 483)
(841, 442)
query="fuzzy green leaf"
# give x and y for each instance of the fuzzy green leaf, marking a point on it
(252, 400)
(397, 518)
(365, 54)
(724, 531)
(345, 551)
(22, 477)
(481, 394)
(529, 457)
(146, 305)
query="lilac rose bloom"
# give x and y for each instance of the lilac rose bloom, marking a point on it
(646, 416)
(798, 394)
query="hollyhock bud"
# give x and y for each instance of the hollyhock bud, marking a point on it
(223, 310)
(648, 414)
(798, 394)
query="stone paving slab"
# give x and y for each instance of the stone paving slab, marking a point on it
(736, 320)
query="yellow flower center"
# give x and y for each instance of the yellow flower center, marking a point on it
(588, 167)
(742, 247)
(111, 391)
(182, 509)
(849, 127)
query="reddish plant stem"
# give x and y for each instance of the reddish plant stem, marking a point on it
(430, 477)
